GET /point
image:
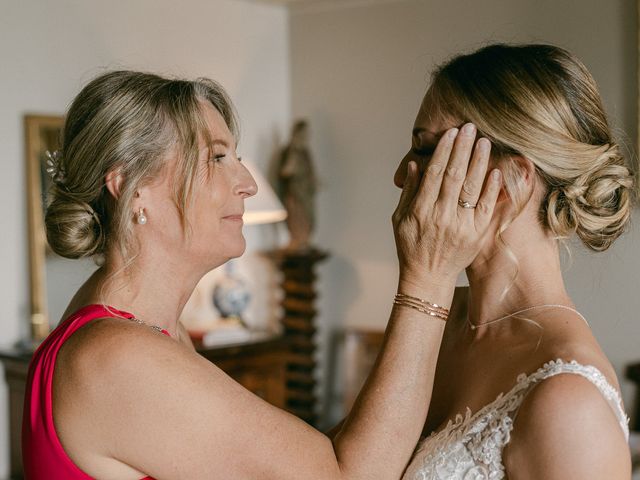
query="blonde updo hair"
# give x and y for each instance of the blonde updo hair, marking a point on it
(127, 122)
(541, 103)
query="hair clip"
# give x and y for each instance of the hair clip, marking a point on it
(54, 167)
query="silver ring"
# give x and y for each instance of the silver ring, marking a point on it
(464, 204)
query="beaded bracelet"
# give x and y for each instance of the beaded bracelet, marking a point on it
(421, 306)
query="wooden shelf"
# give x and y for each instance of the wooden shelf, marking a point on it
(298, 286)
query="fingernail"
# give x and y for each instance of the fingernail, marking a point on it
(409, 167)
(484, 144)
(496, 174)
(452, 133)
(469, 129)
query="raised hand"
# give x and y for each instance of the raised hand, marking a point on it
(442, 217)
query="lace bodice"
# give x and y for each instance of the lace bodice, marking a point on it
(470, 448)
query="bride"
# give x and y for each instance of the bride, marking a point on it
(522, 389)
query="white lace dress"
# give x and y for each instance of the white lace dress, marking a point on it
(470, 448)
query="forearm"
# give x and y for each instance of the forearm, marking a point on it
(381, 431)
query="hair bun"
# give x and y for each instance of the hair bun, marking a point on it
(597, 205)
(73, 227)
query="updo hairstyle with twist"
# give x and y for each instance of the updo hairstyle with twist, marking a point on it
(541, 103)
(125, 122)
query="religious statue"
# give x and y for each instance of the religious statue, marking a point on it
(297, 185)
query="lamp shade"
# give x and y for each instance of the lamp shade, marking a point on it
(263, 207)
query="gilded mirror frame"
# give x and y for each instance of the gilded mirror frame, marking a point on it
(42, 133)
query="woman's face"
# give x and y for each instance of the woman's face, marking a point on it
(427, 130)
(221, 186)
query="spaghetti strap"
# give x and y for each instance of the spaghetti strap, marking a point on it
(589, 372)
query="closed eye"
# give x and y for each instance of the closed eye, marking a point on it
(221, 156)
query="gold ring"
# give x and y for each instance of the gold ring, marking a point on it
(464, 204)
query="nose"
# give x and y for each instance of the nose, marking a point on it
(246, 186)
(401, 172)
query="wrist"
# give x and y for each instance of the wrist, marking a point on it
(438, 291)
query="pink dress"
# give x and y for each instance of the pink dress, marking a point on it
(42, 453)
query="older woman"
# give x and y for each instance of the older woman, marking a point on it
(149, 180)
(522, 389)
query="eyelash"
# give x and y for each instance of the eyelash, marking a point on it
(216, 158)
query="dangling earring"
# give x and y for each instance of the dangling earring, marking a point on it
(141, 219)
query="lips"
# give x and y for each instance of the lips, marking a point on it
(236, 217)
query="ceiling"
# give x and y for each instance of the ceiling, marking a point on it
(324, 3)
(289, 2)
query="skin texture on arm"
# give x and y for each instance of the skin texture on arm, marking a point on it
(555, 431)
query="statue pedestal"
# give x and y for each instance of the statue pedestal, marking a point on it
(298, 285)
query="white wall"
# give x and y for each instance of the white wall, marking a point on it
(359, 70)
(50, 49)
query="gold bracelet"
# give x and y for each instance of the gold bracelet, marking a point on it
(421, 306)
(423, 310)
(416, 300)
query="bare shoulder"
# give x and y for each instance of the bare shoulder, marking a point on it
(567, 337)
(110, 346)
(565, 428)
(114, 354)
(112, 377)
(129, 395)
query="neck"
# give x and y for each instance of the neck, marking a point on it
(499, 286)
(154, 288)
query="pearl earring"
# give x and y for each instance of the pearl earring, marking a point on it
(141, 218)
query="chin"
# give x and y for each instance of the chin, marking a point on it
(238, 249)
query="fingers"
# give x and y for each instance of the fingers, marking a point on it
(476, 173)
(433, 175)
(456, 170)
(487, 202)
(451, 176)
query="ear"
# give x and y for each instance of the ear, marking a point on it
(519, 180)
(527, 170)
(113, 180)
(518, 172)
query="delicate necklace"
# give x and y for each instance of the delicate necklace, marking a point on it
(153, 327)
(474, 327)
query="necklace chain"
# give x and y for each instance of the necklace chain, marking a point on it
(142, 322)
(550, 305)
